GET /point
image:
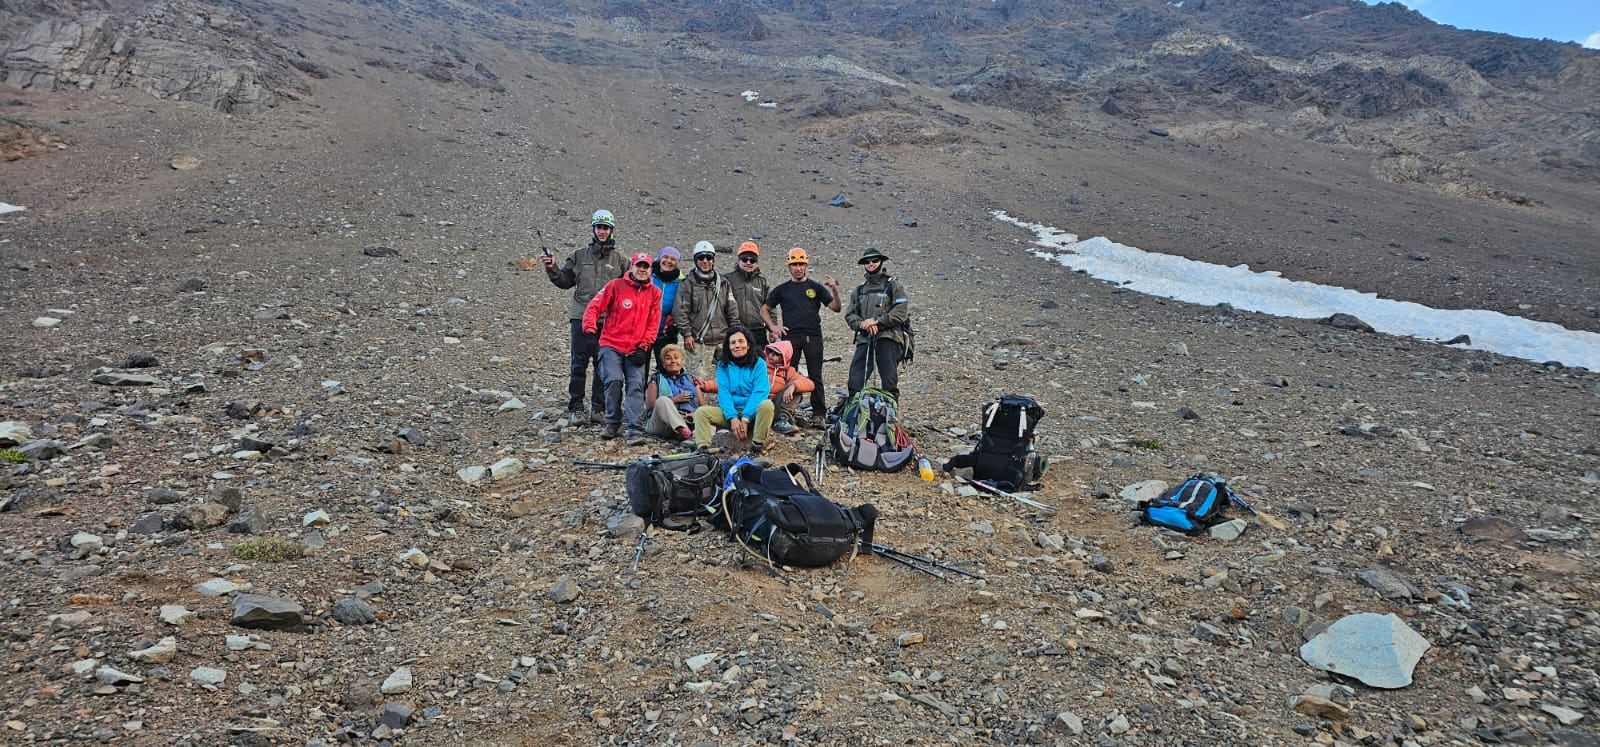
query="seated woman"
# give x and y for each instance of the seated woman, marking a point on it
(743, 405)
(673, 396)
(787, 385)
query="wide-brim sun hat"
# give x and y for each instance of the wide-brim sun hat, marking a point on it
(870, 255)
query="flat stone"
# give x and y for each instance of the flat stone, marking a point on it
(1319, 707)
(110, 676)
(316, 518)
(472, 475)
(13, 432)
(262, 612)
(1566, 716)
(505, 468)
(397, 682)
(110, 378)
(160, 653)
(1495, 528)
(176, 614)
(1380, 650)
(1228, 531)
(699, 662)
(249, 521)
(1388, 584)
(1144, 491)
(219, 587)
(208, 675)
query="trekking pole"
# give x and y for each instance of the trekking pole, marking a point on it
(992, 490)
(887, 551)
(913, 566)
(598, 465)
(822, 459)
(638, 551)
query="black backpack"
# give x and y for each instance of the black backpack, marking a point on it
(1191, 506)
(1005, 456)
(778, 514)
(864, 433)
(673, 491)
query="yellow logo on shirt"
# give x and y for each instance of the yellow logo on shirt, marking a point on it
(811, 293)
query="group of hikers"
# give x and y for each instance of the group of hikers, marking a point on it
(627, 317)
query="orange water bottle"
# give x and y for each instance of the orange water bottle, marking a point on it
(925, 468)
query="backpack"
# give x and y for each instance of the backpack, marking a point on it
(1005, 456)
(1192, 505)
(673, 491)
(863, 432)
(778, 514)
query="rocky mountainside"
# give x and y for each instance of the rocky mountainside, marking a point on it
(280, 409)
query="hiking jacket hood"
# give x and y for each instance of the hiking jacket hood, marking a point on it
(632, 312)
(704, 308)
(587, 271)
(783, 374)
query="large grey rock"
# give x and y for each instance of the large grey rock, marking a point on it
(262, 612)
(1380, 650)
(219, 64)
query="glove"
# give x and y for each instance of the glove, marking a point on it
(639, 357)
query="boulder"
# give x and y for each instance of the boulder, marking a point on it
(1380, 650)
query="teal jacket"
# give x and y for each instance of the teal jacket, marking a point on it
(742, 389)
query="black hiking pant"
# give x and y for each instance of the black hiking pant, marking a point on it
(886, 354)
(811, 347)
(585, 353)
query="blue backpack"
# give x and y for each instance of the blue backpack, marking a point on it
(1192, 505)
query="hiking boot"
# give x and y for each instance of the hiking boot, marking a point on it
(612, 430)
(783, 425)
(597, 417)
(685, 434)
(635, 438)
(755, 448)
(576, 418)
(706, 449)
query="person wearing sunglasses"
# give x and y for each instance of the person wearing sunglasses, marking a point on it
(704, 310)
(880, 313)
(586, 271)
(750, 289)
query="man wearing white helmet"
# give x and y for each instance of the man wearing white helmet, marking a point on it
(586, 271)
(705, 307)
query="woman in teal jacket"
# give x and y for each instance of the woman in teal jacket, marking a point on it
(744, 404)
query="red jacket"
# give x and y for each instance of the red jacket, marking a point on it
(632, 311)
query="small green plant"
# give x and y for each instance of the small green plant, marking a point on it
(1147, 443)
(13, 456)
(268, 550)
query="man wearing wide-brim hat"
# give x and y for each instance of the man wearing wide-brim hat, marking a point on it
(880, 313)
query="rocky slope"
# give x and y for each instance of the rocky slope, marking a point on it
(302, 325)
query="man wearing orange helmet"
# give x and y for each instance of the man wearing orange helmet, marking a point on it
(799, 301)
(749, 288)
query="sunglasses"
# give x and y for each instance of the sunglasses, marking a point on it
(747, 260)
(707, 258)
